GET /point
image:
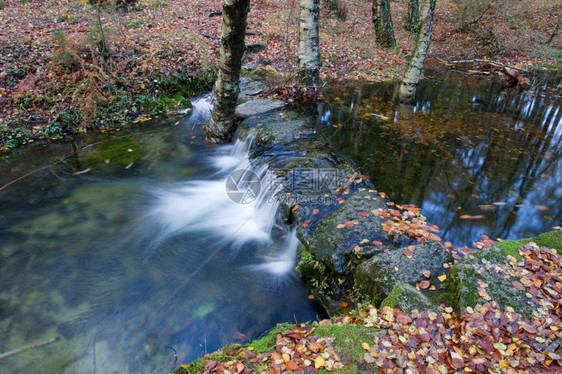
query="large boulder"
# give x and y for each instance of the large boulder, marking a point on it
(482, 277)
(335, 239)
(424, 262)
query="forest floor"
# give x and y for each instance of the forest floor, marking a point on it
(62, 74)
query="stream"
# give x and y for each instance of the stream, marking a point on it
(138, 254)
(134, 255)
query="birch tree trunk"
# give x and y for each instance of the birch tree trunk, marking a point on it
(308, 69)
(382, 21)
(415, 66)
(232, 45)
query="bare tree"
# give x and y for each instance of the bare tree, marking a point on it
(232, 45)
(309, 51)
(382, 21)
(413, 16)
(415, 66)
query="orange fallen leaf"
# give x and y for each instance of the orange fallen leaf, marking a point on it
(408, 254)
(376, 242)
(426, 273)
(315, 211)
(291, 365)
(295, 208)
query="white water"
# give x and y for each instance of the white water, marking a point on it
(204, 208)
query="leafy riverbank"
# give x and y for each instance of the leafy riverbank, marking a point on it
(67, 68)
(484, 335)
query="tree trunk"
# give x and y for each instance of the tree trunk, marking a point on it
(382, 20)
(415, 67)
(222, 125)
(413, 17)
(308, 69)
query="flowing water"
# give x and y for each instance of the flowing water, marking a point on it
(476, 157)
(134, 254)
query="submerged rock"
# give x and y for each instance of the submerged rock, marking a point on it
(377, 276)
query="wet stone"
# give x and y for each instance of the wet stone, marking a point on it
(380, 274)
(258, 107)
(335, 246)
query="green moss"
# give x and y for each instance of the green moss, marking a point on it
(552, 239)
(348, 344)
(454, 285)
(175, 101)
(198, 366)
(406, 297)
(511, 247)
(267, 343)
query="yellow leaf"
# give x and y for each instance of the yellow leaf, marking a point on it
(366, 346)
(442, 277)
(319, 362)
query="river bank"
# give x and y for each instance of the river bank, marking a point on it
(63, 72)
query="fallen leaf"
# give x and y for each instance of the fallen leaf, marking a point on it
(518, 285)
(319, 362)
(442, 277)
(423, 284)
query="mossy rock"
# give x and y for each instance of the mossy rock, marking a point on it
(406, 298)
(486, 266)
(465, 276)
(552, 239)
(376, 278)
(348, 340)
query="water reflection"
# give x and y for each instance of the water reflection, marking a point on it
(479, 159)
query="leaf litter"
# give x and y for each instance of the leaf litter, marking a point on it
(483, 338)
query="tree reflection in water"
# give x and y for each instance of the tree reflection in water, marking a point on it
(477, 157)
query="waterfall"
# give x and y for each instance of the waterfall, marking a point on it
(235, 202)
